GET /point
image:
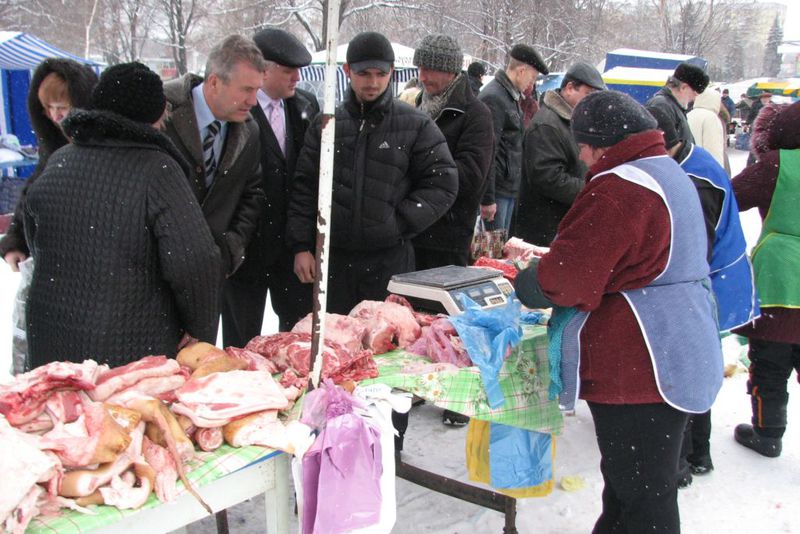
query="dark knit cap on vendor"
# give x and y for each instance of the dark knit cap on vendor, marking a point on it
(282, 47)
(440, 53)
(526, 54)
(666, 125)
(370, 50)
(131, 90)
(604, 118)
(692, 75)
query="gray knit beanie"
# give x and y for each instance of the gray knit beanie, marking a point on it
(440, 53)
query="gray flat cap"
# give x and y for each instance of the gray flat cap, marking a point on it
(282, 47)
(585, 74)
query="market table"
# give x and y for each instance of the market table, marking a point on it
(223, 478)
(524, 379)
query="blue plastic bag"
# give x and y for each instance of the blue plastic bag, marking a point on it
(519, 458)
(488, 335)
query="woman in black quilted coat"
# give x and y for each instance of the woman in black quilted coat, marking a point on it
(57, 85)
(125, 263)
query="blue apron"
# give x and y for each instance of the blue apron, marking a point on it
(731, 272)
(676, 311)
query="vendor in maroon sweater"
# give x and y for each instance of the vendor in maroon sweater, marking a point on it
(616, 264)
(773, 186)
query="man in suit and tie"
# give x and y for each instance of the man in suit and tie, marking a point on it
(282, 113)
(210, 123)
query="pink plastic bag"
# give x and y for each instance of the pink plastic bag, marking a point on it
(342, 469)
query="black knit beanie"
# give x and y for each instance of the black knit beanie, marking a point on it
(605, 118)
(131, 90)
(440, 53)
(369, 50)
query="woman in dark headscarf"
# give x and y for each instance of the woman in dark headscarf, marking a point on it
(57, 86)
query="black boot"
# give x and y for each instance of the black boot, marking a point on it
(769, 447)
(701, 465)
(454, 418)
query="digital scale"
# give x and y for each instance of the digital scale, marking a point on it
(437, 290)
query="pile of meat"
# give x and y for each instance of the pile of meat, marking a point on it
(73, 435)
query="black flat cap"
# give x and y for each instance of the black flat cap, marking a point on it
(692, 75)
(526, 54)
(585, 74)
(282, 47)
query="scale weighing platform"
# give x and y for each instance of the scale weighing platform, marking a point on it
(437, 290)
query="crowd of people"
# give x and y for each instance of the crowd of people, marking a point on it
(157, 208)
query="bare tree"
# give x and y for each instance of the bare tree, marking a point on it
(178, 18)
(127, 26)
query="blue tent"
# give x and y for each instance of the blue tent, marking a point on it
(641, 73)
(20, 53)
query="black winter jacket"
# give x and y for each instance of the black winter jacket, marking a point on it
(553, 173)
(124, 261)
(665, 100)
(466, 123)
(234, 203)
(393, 177)
(80, 81)
(502, 98)
(269, 242)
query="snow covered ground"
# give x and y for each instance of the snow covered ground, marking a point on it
(746, 492)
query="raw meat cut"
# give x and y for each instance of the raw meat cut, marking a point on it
(22, 465)
(346, 331)
(166, 470)
(153, 386)
(95, 437)
(216, 399)
(209, 439)
(23, 399)
(440, 343)
(397, 315)
(120, 378)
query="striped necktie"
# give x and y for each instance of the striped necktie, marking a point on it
(208, 151)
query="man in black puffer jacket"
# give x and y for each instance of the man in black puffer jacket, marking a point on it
(466, 123)
(393, 177)
(125, 264)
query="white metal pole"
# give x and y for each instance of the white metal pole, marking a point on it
(324, 197)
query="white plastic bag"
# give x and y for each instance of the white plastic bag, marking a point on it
(19, 337)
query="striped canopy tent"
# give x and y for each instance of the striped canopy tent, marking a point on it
(20, 53)
(777, 86)
(313, 75)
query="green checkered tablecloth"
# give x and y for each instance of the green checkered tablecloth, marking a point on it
(204, 469)
(524, 380)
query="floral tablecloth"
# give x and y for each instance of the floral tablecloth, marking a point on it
(524, 380)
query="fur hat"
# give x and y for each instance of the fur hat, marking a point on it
(370, 50)
(526, 54)
(692, 75)
(605, 118)
(282, 47)
(131, 90)
(440, 53)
